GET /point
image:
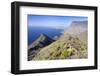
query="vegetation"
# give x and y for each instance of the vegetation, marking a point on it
(64, 48)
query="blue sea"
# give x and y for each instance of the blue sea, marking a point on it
(34, 33)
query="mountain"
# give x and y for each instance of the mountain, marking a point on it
(77, 27)
(72, 44)
(34, 32)
(66, 47)
(42, 41)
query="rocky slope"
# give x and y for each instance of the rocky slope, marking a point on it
(77, 27)
(67, 47)
(42, 41)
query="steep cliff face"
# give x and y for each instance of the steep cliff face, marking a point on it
(77, 27)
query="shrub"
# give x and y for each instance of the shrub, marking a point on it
(66, 53)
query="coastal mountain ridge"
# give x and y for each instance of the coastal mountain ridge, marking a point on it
(42, 41)
(72, 44)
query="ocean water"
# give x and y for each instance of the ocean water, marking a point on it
(34, 33)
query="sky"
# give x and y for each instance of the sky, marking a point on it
(57, 22)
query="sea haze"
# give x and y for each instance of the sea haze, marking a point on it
(34, 32)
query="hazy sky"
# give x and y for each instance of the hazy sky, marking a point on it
(58, 22)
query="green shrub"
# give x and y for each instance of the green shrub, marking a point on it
(66, 54)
